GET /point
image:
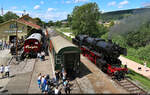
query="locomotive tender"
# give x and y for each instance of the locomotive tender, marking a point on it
(103, 53)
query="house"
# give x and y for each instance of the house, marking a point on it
(24, 24)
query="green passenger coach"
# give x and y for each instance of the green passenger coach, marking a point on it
(65, 54)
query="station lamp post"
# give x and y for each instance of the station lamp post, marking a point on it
(16, 28)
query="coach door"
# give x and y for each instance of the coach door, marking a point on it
(70, 60)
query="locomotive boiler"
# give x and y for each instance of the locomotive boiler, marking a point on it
(103, 53)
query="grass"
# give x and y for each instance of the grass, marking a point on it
(65, 29)
(143, 81)
(62, 34)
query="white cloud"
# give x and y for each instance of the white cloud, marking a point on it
(146, 4)
(14, 8)
(36, 7)
(50, 9)
(112, 3)
(123, 2)
(77, 1)
(42, 2)
(120, 6)
(18, 12)
(50, 16)
(68, 2)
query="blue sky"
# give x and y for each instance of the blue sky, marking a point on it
(58, 9)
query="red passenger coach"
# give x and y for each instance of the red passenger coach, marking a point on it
(33, 44)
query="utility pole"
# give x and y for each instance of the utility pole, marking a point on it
(16, 42)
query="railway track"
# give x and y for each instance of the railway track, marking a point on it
(130, 86)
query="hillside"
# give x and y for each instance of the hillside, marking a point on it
(117, 15)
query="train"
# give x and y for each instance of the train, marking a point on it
(66, 55)
(34, 43)
(102, 53)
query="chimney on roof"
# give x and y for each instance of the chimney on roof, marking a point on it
(24, 12)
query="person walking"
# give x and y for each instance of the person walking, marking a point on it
(2, 70)
(7, 71)
(39, 80)
(57, 76)
(67, 89)
(56, 91)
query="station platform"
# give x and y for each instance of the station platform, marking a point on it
(145, 71)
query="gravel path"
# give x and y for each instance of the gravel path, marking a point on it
(145, 71)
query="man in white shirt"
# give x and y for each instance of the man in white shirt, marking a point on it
(2, 70)
(7, 70)
(56, 90)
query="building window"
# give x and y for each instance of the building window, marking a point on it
(26, 19)
(12, 26)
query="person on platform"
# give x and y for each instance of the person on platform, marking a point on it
(7, 70)
(39, 80)
(2, 70)
(43, 55)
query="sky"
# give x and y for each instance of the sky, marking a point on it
(59, 9)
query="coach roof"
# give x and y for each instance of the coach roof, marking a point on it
(61, 44)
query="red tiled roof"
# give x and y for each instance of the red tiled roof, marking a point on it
(29, 24)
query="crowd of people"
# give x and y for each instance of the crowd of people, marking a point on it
(4, 45)
(53, 86)
(4, 71)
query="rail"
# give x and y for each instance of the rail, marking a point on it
(130, 86)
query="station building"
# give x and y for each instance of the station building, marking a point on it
(24, 24)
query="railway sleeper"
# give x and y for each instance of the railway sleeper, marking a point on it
(138, 91)
(128, 86)
(123, 81)
(133, 89)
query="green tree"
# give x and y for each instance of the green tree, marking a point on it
(69, 19)
(139, 38)
(39, 21)
(85, 18)
(58, 23)
(10, 15)
(50, 23)
(1, 19)
(102, 30)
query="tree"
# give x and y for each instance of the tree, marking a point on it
(1, 19)
(69, 19)
(84, 19)
(58, 23)
(50, 23)
(10, 15)
(39, 22)
(139, 38)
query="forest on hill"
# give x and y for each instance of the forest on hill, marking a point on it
(118, 15)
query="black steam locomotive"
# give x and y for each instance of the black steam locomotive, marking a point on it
(103, 53)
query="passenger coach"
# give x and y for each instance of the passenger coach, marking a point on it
(65, 54)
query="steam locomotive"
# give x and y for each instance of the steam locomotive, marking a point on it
(103, 53)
